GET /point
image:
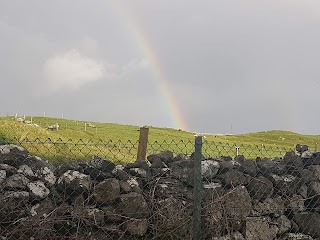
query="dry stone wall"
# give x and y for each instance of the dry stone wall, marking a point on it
(241, 199)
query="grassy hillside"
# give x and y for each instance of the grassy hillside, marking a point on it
(81, 139)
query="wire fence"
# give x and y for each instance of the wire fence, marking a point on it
(195, 189)
(122, 151)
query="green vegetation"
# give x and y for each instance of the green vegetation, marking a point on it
(81, 140)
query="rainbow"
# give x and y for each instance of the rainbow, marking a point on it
(145, 46)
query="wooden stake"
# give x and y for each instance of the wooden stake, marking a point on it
(143, 143)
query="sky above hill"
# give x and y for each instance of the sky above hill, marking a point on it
(233, 66)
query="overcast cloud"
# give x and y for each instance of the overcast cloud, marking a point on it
(252, 65)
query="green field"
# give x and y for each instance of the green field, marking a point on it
(82, 139)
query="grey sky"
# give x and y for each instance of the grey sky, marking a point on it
(250, 64)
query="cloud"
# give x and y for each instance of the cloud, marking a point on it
(72, 70)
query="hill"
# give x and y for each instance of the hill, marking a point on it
(114, 139)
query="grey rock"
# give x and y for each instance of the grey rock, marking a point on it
(165, 156)
(97, 174)
(38, 190)
(74, 182)
(315, 172)
(285, 185)
(295, 203)
(284, 224)
(26, 171)
(233, 178)
(42, 208)
(16, 181)
(267, 166)
(296, 236)
(248, 167)
(111, 214)
(181, 157)
(308, 223)
(138, 164)
(232, 236)
(3, 175)
(158, 163)
(209, 169)
(314, 192)
(136, 227)
(124, 187)
(300, 148)
(102, 164)
(260, 187)
(9, 169)
(94, 216)
(270, 206)
(138, 172)
(237, 203)
(107, 191)
(120, 173)
(133, 205)
(12, 149)
(260, 228)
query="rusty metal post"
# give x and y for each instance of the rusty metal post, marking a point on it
(143, 143)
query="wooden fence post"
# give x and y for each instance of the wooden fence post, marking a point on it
(143, 143)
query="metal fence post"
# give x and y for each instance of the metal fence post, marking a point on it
(196, 234)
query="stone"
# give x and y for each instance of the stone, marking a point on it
(94, 216)
(27, 171)
(136, 227)
(162, 172)
(172, 213)
(138, 172)
(3, 175)
(232, 236)
(209, 169)
(10, 154)
(314, 160)
(212, 190)
(10, 170)
(267, 166)
(285, 185)
(102, 164)
(184, 174)
(16, 181)
(111, 214)
(133, 205)
(300, 148)
(96, 174)
(315, 172)
(120, 173)
(42, 208)
(308, 223)
(13, 206)
(248, 167)
(107, 191)
(138, 164)
(270, 206)
(233, 178)
(124, 187)
(294, 164)
(74, 182)
(260, 187)
(165, 156)
(158, 163)
(237, 203)
(314, 192)
(283, 224)
(181, 157)
(46, 175)
(38, 190)
(260, 228)
(295, 203)
(296, 236)
(134, 184)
